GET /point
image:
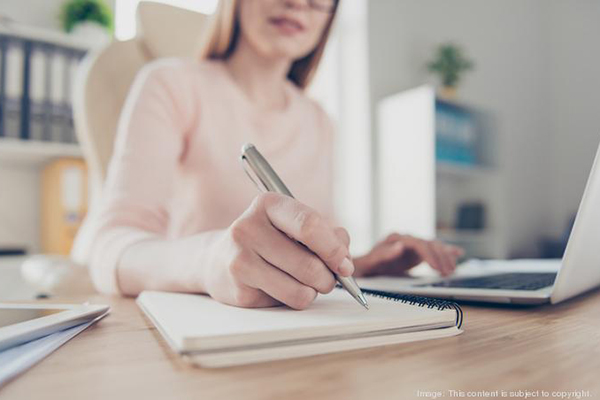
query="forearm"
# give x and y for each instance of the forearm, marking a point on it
(170, 265)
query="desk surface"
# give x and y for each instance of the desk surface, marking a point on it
(123, 356)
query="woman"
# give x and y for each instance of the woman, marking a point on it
(179, 213)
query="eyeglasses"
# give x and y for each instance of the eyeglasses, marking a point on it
(327, 6)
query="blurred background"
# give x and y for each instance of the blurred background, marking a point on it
(473, 122)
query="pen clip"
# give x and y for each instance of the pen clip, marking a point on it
(247, 169)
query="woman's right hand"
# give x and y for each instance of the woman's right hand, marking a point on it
(258, 261)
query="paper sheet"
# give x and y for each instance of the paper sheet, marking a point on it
(18, 359)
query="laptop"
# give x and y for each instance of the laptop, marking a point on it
(522, 282)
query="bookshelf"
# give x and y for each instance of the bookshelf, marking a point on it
(469, 183)
(42, 35)
(439, 175)
(41, 127)
(446, 169)
(34, 153)
(37, 70)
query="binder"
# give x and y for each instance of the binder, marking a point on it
(3, 49)
(36, 81)
(14, 88)
(64, 205)
(47, 102)
(456, 134)
(69, 73)
(37, 92)
(57, 121)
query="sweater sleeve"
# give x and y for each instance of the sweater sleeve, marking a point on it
(149, 144)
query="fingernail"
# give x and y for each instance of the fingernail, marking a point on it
(346, 267)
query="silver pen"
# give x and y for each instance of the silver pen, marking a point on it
(271, 182)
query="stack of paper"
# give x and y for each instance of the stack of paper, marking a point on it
(18, 359)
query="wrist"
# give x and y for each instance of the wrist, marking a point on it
(194, 257)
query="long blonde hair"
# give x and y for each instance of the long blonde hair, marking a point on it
(224, 35)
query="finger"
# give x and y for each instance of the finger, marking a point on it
(453, 259)
(248, 297)
(279, 285)
(427, 252)
(445, 258)
(456, 251)
(254, 298)
(305, 225)
(296, 260)
(439, 257)
(343, 235)
(393, 237)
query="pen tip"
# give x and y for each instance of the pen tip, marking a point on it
(363, 301)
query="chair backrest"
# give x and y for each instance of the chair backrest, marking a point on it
(105, 77)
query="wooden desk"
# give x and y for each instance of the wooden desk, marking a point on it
(124, 357)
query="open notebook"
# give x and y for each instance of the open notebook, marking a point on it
(212, 334)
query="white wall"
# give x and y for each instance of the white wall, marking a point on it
(40, 13)
(512, 43)
(19, 206)
(341, 86)
(574, 56)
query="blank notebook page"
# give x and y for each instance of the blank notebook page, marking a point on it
(196, 322)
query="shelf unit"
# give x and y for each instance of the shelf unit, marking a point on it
(34, 153)
(465, 235)
(429, 165)
(477, 182)
(44, 35)
(22, 158)
(450, 170)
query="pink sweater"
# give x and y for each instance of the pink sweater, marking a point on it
(175, 172)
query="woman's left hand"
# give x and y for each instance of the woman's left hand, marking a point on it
(398, 253)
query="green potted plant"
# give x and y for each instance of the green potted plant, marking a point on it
(449, 64)
(90, 20)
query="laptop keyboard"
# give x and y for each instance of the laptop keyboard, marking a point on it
(509, 281)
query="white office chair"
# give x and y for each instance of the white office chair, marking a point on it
(102, 84)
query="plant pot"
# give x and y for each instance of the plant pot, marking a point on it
(448, 92)
(91, 33)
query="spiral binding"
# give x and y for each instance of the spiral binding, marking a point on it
(420, 301)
